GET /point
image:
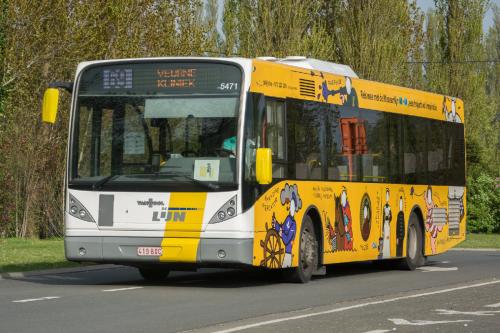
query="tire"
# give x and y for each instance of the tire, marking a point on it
(153, 274)
(308, 254)
(414, 254)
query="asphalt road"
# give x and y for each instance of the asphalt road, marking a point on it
(456, 292)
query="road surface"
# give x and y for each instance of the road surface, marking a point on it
(456, 292)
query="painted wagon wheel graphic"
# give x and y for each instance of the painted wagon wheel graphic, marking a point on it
(273, 250)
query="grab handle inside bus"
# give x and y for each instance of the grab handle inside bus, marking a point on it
(264, 166)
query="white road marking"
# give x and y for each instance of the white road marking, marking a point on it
(496, 305)
(35, 299)
(444, 262)
(469, 313)
(122, 289)
(437, 269)
(378, 331)
(399, 321)
(356, 306)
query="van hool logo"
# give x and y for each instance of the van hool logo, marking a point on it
(150, 203)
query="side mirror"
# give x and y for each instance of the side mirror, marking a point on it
(49, 106)
(264, 166)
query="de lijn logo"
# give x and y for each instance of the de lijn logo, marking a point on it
(171, 214)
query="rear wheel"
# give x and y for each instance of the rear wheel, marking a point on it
(414, 254)
(153, 274)
(308, 254)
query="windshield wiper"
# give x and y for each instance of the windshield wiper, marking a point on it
(98, 184)
(210, 186)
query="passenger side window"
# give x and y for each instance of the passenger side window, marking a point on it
(373, 157)
(348, 144)
(415, 151)
(274, 135)
(307, 139)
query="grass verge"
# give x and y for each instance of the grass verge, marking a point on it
(478, 241)
(18, 255)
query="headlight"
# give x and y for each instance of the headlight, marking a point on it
(227, 211)
(78, 210)
(221, 215)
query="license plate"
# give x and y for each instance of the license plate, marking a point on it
(154, 251)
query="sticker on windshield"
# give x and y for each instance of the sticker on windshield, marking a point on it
(134, 143)
(206, 170)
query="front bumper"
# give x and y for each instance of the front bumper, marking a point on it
(123, 250)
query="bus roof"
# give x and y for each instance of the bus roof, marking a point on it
(295, 78)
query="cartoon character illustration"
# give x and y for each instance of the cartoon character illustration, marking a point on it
(273, 249)
(346, 220)
(331, 234)
(452, 114)
(431, 226)
(339, 231)
(288, 229)
(400, 229)
(385, 247)
(348, 95)
(366, 217)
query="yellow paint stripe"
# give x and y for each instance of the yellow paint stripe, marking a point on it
(181, 238)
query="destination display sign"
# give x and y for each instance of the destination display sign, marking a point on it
(161, 78)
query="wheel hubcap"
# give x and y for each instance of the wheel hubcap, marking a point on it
(307, 249)
(412, 242)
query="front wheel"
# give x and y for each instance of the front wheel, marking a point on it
(414, 254)
(153, 274)
(308, 254)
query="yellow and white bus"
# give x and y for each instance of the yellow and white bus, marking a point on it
(290, 164)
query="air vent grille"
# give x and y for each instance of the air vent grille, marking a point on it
(307, 88)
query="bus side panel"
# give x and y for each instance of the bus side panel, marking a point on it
(359, 221)
(351, 221)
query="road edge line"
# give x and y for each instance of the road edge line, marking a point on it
(67, 270)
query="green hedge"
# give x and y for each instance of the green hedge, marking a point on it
(483, 204)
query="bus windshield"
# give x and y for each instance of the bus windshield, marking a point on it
(166, 125)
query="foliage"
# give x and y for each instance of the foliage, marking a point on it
(377, 38)
(263, 28)
(45, 43)
(483, 212)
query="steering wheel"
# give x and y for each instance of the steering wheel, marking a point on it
(189, 153)
(221, 152)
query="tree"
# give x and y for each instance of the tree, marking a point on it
(265, 28)
(44, 43)
(493, 75)
(377, 38)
